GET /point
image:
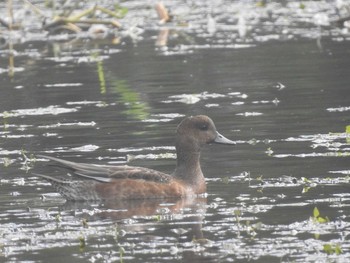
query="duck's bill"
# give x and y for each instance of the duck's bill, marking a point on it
(222, 139)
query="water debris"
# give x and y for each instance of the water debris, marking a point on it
(150, 156)
(238, 95)
(75, 21)
(332, 249)
(50, 110)
(249, 114)
(85, 148)
(85, 102)
(60, 124)
(163, 13)
(163, 117)
(335, 144)
(346, 172)
(63, 85)
(193, 98)
(211, 25)
(338, 109)
(153, 148)
(279, 86)
(275, 101)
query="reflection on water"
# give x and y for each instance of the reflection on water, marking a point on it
(274, 78)
(132, 101)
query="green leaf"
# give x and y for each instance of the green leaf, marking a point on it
(331, 249)
(328, 248)
(338, 249)
(122, 11)
(316, 212)
(305, 180)
(321, 220)
(225, 180)
(347, 129)
(82, 243)
(306, 189)
(259, 178)
(237, 212)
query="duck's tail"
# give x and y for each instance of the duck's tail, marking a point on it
(73, 190)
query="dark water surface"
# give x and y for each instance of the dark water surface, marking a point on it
(285, 102)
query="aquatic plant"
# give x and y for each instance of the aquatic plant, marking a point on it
(121, 254)
(58, 218)
(135, 106)
(317, 218)
(82, 243)
(28, 161)
(100, 73)
(332, 249)
(6, 161)
(85, 223)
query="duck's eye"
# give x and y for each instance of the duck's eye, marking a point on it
(203, 127)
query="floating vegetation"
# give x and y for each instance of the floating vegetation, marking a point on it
(336, 145)
(50, 110)
(163, 117)
(339, 109)
(317, 218)
(332, 249)
(249, 114)
(194, 98)
(181, 29)
(28, 161)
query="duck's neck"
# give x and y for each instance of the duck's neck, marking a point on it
(188, 168)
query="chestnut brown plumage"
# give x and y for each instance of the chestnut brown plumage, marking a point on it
(103, 182)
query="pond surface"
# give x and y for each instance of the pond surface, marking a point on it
(281, 194)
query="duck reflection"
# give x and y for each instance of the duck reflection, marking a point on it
(189, 211)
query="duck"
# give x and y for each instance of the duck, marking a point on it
(95, 182)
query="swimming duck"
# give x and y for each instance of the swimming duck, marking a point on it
(106, 182)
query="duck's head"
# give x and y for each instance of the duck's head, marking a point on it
(196, 131)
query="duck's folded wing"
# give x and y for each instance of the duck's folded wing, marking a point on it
(108, 173)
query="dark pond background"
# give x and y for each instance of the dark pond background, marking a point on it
(274, 78)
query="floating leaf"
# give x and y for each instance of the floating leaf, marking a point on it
(121, 11)
(338, 249)
(237, 212)
(322, 220)
(317, 218)
(58, 218)
(6, 161)
(306, 189)
(316, 212)
(331, 249)
(259, 178)
(328, 248)
(305, 180)
(82, 243)
(85, 223)
(225, 180)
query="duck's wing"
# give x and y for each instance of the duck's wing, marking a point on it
(108, 173)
